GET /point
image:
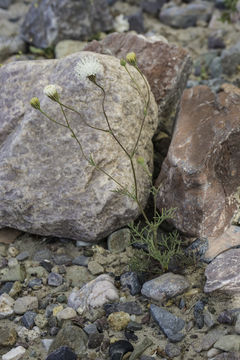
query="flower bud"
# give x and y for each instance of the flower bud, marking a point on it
(140, 160)
(123, 62)
(35, 103)
(51, 92)
(131, 58)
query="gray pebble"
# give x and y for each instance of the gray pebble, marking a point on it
(81, 260)
(22, 256)
(55, 279)
(172, 350)
(28, 319)
(131, 281)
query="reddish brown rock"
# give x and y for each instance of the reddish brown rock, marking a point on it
(223, 273)
(201, 173)
(166, 67)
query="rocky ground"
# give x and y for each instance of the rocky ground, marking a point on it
(64, 299)
(40, 311)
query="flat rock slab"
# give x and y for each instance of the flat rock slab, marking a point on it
(170, 324)
(47, 187)
(223, 273)
(201, 173)
(165, 287)
(166, 67)
(216, 245)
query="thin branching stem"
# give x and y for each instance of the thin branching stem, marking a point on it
(84, 121)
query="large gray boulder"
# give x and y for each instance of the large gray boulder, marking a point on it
(54, 20)
(46, 186)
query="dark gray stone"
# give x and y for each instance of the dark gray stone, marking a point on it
(215, 68)
(55, 20)
(119, 348)
(62, 353)
(131, 281)
(62, 259)
(186, 16)
(198, 314)
(81, 260)
(55, 279)
(95, 340)
(6, 287)
(169, 324)
(47, 265)
(152, 6)
(28, 319)
(130, 307)
(35, 283)
(90, 329)
(42, 255)
(136, 22)
(134, 326)
(22, 256)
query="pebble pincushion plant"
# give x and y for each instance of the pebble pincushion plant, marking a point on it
(161, 252)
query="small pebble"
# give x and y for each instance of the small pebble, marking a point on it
(47, 343)
(130, 280)
(118, 320)
(226, 317)
(28, 319)
(12, 251)
(64, 353)
(81, 260)
(35, 283)
(54, 279)
(23, 256)
(172, 350)
(95, 340)
(66, 314)
(25, 303)
(95, 268)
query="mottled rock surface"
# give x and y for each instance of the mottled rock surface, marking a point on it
(165, 286)
(223, 273)
(46, 185)
(94, 294)
(200, 175)
(165, 66)
(55, 20)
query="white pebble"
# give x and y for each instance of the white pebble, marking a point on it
(14, 354)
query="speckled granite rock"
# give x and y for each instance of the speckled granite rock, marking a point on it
(47, 190)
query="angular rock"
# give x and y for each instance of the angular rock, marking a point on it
(165, 287)
(185, 16)
(165, 66)
(130, 307)
(223, 273)
(94, 294)
(15, 273)
(200, 175)
(69, 191)
(78, 275)
(228, 343)
(73, 337)
(28, 319)
(170, 324)
(25, 303)
(55, 20)
(55, 279)
(10, 41)
(119, 348)
(131, 281)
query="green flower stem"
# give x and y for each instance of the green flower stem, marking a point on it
(77, 112)
(145, 111)
(45, 114)
(136, 84)
(125, 151)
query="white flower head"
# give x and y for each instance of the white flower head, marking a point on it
(51, 92)
(88, 68)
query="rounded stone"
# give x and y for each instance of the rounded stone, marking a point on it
(118, 320)
(25, 303)
(119, 240)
